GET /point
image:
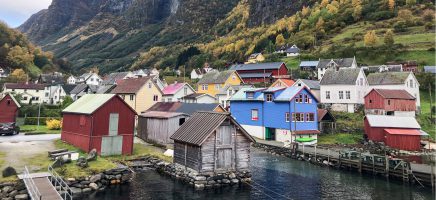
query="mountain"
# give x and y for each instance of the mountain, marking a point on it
(123, 34)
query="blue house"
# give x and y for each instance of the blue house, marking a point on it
(281, 114)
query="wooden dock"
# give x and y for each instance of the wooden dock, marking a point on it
(46, 188)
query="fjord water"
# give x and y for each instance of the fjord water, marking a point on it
(274, 177)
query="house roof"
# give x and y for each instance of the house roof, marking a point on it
(392, 121)
(104, 89)
(89, 103)
(241, 95)
(388, 78)
(394, 94)
(180, 107)
(79, 88)
(68, 88)
(309, 63)
(344, 76)
(290, 93)
(196, 96)
(130, 86)
(287, 82)
(201, 125)
(293, 49)
(255, 75)
(304, 132)
(394, 131)
(342, 62)
(173, 88)
(13, 99)
(53, 78)
(254, 55)
(323, 113)
(112, 78)
(312, 84)
(376, 68)
(430, 69)
(216, 77)
(160, 114)
(235, 87)
(257, 66)
(30, 86)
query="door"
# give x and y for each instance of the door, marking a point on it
(224, 158)
(270, 133)
(113, 124)
(111, 145)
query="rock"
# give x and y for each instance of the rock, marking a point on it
(232, 175)
(9, 171)
(92, 155)
(22, 192)
(95, 178)
(125, 178)
(199, 186)
(211, 182)
(7, 189)
(71, 179)
(200, 178)
(82, 162)
(76, 191)
(113, 182)
(325, 162)
(8, 198)
(235, 181)
(22, 197)
(225, 181)
(13, 193)
(86, 190)
(93, 186)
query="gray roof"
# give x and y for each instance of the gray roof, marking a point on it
(387, 78)
(79, 88)
(312, 84)
(392, 121)
(342, 62)
(344, 76)
(114, 77)
(201, 125)
(292, 50)
(105, 89)
(234, 87)
(216, 77)
(309, 63)
(255, 75)
(430, 69)
(68, 88)
(187, 108)
(257, 66)
(377, 68)
(161, 115)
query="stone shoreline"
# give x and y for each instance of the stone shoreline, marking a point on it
(199, 181)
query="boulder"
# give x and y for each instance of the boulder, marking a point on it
(92, 155)
(200, 178)
(13, 193)
(93, 186)
(82, 162)
(235, 181)
(22, 197)
(86, 190)
(225, 181)
(9, 171)
(232, 175)
(7, 189)
(199, 186)
(76, 191)
(95, 178)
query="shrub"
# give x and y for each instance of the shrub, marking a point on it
(42, 120)
(54, 124)
(428, 26)
(400, 26)
(428, 15)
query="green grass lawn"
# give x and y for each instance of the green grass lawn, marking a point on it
(291, 62)
(424, 117)
(35, 130)
(340, 138)
(140, 150)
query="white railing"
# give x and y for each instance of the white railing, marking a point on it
(56, 180)
(30, 184)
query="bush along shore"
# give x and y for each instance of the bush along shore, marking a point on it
(198, 180)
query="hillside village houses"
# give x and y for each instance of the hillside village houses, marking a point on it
(255, 58)
(4, 72)
(112, 78)
(397, 81)
(212, 82)
(199, 72)
(383, 68)
(282, 82)
(407, 66)
(390, 102)
(82, 89)
(176, 91)
(139, 93)
(261, 72)
(31, 93)
(292, 51)
(280, 114)
(199, 98)
(71, 80)
(430, 69)
(89, 79)
(343, 88)
(226, 93)
(325, 64)
(312, 85)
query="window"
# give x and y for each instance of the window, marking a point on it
(25, 90)
(361, 81)
(9, 102)
(310, 117)
(25, 98)
(347, 94)
(299, 117)
(389, 102)
(287, 116)
(13, 90)
(131, 97)
(411, 83)
(149, 85)
(299, 98)
(250, 95)
(124, 97)
(181, 121)
(370, 101)
(217, 86)
(234, 77)
(82, 120)
(46, 94)
(185, 91)
(341, 94)
(37, 90)
(254, 114)
(155, 98)
(170, 99)
(307, 99)
(92, 79)
(299, 84)
(327, 94)
(204, 87)
(269, 97)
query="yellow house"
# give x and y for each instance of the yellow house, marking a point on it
(212, 82)
(139, 93)
(255, 58)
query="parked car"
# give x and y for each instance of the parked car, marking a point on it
(9, 129)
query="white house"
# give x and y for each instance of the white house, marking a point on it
(343, 89)
(227, 92)
(176, 91)
(54, 94)
(397, 81)
(89, 79)
(292, 51)
(71, 80)
(198, 73)
(139, 73)
(31, 93)
(4, 73)
(198, 98)
(325, 64)
(112, 78)
(312, 85)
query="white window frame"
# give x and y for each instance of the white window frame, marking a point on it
(341, 94)
(348, 94)
(269, 97)
(327, 94)
(254, 114)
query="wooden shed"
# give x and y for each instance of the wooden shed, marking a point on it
(211, 142)
(397, 132)
(157, 126)
(101, 121)
(326, 121)
(390, 102)
(9, 108)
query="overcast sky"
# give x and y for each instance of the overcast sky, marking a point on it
(15, 12)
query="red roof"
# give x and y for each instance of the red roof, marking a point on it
(395, 94)
(24, 86)
(395, 131)
(173, 88)
(130, 86)
(305, 132)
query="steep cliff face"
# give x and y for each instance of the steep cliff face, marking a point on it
(269, 11)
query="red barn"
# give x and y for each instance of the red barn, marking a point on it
(101, 121)
(261, 72)
(396, 132)
(9, 109)
(390, 102)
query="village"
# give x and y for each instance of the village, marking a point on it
(208, 129)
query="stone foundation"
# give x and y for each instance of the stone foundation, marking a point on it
(197, 180)
(13, 190)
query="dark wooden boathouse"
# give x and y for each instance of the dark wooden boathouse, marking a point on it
(9, 108)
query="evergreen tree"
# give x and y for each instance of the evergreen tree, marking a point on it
(389, 37)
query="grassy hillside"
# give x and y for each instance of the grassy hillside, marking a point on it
(424, 119)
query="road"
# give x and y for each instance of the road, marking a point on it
(29, 138)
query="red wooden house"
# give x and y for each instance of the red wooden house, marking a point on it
(396, 132)
(261, 72)
(101, 121)
(9, 109)
(390, 102)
